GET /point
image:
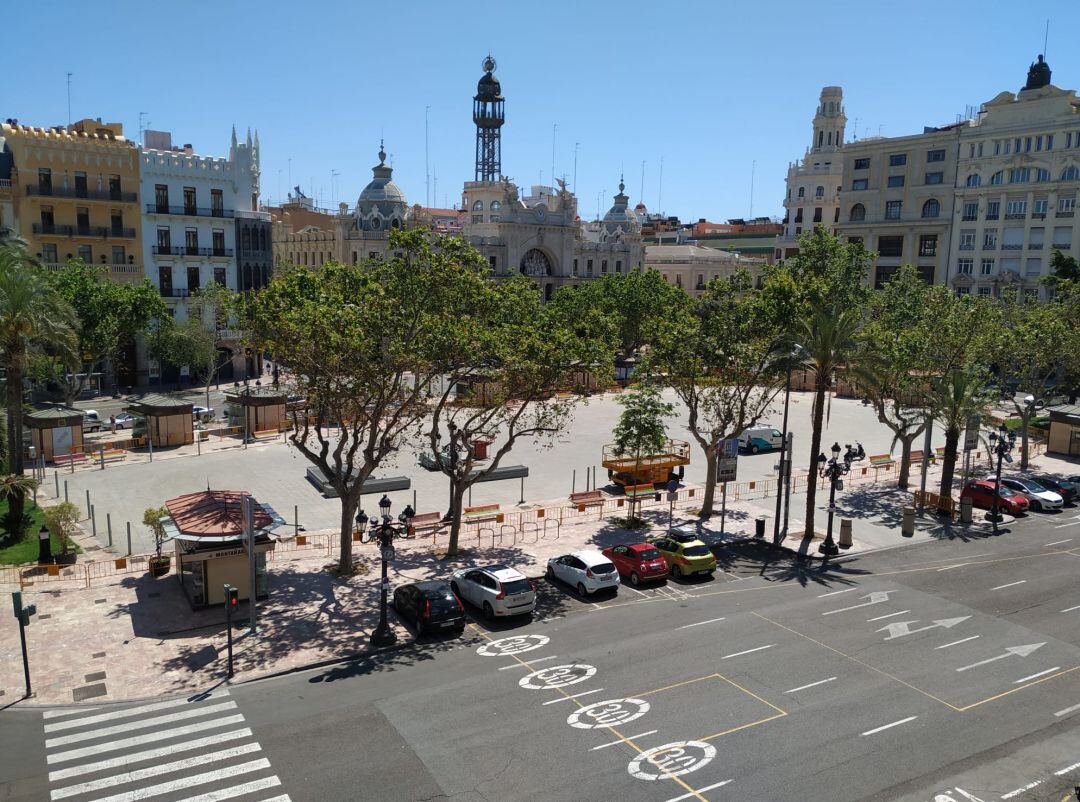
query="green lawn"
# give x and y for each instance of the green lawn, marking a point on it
(25, 550)
(1015, 423)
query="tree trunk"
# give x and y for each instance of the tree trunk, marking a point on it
(710, 482)
(456, 497)
(815, 449)
(15, 425)
(948, 464)
(1025, 417)
(348, 511)
(905, 459)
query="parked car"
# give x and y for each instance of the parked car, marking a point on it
(198, 413)
(587, 570)
(431, 607)
(496, 589)
(760, 438)
(638, 562)
(1066, 488)
(91, 421)
(685, 559)
(981, 493)
(125, 420)
(1038, 496)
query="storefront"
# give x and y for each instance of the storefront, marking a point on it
(55, 432)
(1064, 435)
(256, 409)
(167, 420)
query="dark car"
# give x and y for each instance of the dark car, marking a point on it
(430, 607)
(1066, 488)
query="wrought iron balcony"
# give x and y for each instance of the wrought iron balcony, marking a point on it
(188, 211)
(115, 196)
(105, 232)
(1063, 213)
(184, 250)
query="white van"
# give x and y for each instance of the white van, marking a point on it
(760, 438)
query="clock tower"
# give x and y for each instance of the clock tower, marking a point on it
(489, 115)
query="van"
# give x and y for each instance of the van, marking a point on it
(91, 421)
(760, 438)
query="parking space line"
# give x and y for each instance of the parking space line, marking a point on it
(1036, 676)
(1067, 710)
(712, 787)
(574, 696)
(811, 685)
(890, 726)
(748, 651)
(528, 664)
(1057, 542)
(1067, 769)
(890, 615)
(629, 737)
(1021, 790)
(1009, 585)
(957, 642)
(699, 623)
(836, 592)
(675, 685)
(1070, 609)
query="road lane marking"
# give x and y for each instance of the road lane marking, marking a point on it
(142, 724)
(890, 615)
(138, 740)
(1070, 609)
(574, 696)
(235, 791)
(811, 685)
(699, 623)
(1057, 542)
(529, 663)
(629, 737)
(876, 597)
(890, 726)
(117, 714)
(836, 592)
(748, 651)
(950, 567)
(1010, 651)
(1036, 676)
(1067, 710)
(957, 642)
(712, 787)
(1021, 790)
(1067, 769)
(1009, 585)
(78, 711)
(196, 779)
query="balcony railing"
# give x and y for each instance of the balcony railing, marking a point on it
(248, 215)
(1063, 214)
(989, 246)
(5, 183)
(967, 246)
(1012, 246)
(115, 196)
(188, 211)
(969, 217)
(118, 269)
(1035, 246)
(184, 250)
(1061, 246)
(175, 292)
(1015, 216)
(1038, 215)
(992, 216)
(105, 232)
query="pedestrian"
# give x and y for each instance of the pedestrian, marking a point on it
(112, 423)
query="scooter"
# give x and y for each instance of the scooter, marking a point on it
(855, 455)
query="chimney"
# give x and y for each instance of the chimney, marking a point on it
(188, 149)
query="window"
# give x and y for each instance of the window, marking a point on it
(478, 206)
(575, 268)
(495, 206)
(1066, 206)
(80, 184)
(987, 267)
(1062, 237)
(588, 267)
(478, 218)
(859, 184)
(1036, 238)
(618, 265)
(997, 178)
(700, 282)
(931, 208)
(678, 280)
(897, 159)
(217, 203)
(86, 253)
(963, 266)
(114, 187)
(82, 220)
(990, 240)
(967, 239)
(1071, 173)
(164, 239)
(193, 279)
(862, 164)
(217, 240)
(819, 192)
(963, 290)
(971, 210)
(603, 266)
(493, 262)
(189, 200)
(1039, 209)
(993, 210)
(855, 241)
(893, 209)
(44, 180)
(191, 241)
(1015, 209)
(896, 181)
(219, 276)
(984, 291)
(934, 178)
(1033, 267)
(802, 192)
(858, 213)
(1010, 266)
(928, 245)
(974, 180)
(161, 198)
(798, 215)
(935, 155)
(165, 280)
(817, 214)
(116, 220)
(1031, 293)
(890, 246)
(119, 255)
(48, 252)
(1042, 174)
(1019, 175)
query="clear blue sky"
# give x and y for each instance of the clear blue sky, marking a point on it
(711, 87)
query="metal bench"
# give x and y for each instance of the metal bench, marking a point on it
(482, 512)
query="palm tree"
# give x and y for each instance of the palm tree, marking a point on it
(31, 314)
(954, 399)
(828, 341)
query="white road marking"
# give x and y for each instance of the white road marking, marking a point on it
(748, 651)
(1034, 676)
(900, 629)
(573, 696)
(888, 726)
(282, 798)
(628, 738)
(890, 615)
(1019, 791)
(550, 618)
(957, 642)
(138, 740)
(699, 623)
(1010, 585)
(1010, 651)
(640, 593)
(76, 711)
(138, 725)
(117, 714)
(1067, 710)
(1070, 523)
(1070, 609)
(834, 593)
(1067, 769)
(528, 662)
(235, 791)
(149, 754)
(950, 567)
(153, 771)
(877, 597)
(196, 779)
(700, 791)
(1059, 542)
(811, 685)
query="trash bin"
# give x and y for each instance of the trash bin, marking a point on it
(845, 533)
(907, 528)
(965, 510)
(759, 526)
(479, 449)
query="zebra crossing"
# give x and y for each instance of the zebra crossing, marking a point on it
(178, 750)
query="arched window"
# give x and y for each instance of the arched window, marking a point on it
(395, 223)
(802, 192)
(246, 237)
(830, 137)
(1042, 174)
(858, 212)
(376, 223)
(1071, 173)
(819, 192)
(478, 206)
(495, 206)
(1019, 175)
(931, 208)
(820, 137)
(998, 177)
(974, 180)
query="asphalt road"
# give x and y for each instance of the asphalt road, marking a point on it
(942, 672)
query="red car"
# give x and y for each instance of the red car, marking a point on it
(639, 562)
(981, 493)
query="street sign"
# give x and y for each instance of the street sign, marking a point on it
(727, 460)
(388, 553)
(971, 433)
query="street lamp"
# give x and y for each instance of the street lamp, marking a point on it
(833, 469)
(784, 476)
(388, 530)
(1001, 443)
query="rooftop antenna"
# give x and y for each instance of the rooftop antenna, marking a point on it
(69, 97)
(427, 168)
(554, 128)
(856, 128)
(575, 165)
(641, 196)
(1046, 37)
(333, 185)
(660, 189)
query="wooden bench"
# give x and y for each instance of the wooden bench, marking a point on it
(426, 520)
(634, 491)
(939, 452)
(586, 498)
(112, 455)
(916, 457)
(880, 460)
(67, 459)
(265, 434)
(482, 512)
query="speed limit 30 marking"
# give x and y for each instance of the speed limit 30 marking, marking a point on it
(609, 713)
(671, 760)
(518, 644)
(557, 676)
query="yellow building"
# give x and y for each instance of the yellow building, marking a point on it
(75, 194)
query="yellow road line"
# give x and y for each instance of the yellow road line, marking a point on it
(1022, 687)
(781, 714)
(676, 685)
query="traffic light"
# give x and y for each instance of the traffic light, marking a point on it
(232, 598)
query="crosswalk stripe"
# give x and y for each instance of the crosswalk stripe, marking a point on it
(141, 724)
(185, 782)
(235, 791)
(128, 712)
(149, 754)
(282, 798)
(67, 711)
(154, 771)
(139, 740)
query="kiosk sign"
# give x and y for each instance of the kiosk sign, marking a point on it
(727, 460)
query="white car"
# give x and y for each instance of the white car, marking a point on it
(587, 570)
(1038, 496)
(496, 589)
(91, 420)
(198, 413)
(125, 421)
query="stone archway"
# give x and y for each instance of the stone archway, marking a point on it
(536, 263)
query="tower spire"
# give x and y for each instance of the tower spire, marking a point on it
(488, 114)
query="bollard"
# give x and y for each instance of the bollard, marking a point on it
(108, 526)
(88, 503)
(845, 533)
(296, 519)
(101, 456)
(65, 491)
(93, 522)
(573, 481)
(129, 537)
(965, 509)
(907, 527)
(56, 478)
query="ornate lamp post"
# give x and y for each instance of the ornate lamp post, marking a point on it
(833, 469)
(1001, 443)
(388, 529)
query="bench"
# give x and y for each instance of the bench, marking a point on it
(939, 452)
(265, 434)
(635, 491)
(426, 520)
(386, 484)
(482, 512)
(112, 455)
(67, 459)
(586, 498)
(916, 457)
(880, 460)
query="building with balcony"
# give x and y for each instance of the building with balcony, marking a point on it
(691, 267)
(7, 195)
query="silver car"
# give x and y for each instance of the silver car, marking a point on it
(499, 591)
(1038, 496)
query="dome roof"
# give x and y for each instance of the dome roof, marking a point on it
(488, 88)
(618, 212)
(381, 189)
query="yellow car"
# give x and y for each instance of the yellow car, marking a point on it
(685, 559)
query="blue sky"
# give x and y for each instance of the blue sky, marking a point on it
(709, 87)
